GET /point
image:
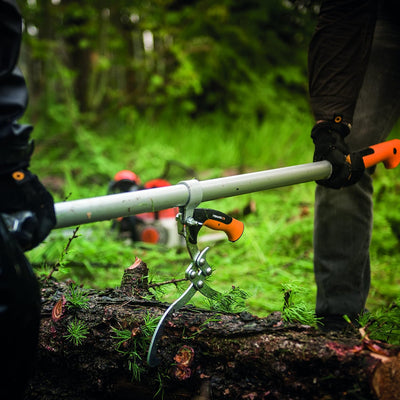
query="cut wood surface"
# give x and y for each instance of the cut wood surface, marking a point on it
(204, 354)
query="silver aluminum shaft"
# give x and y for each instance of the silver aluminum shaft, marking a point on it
(78, 212)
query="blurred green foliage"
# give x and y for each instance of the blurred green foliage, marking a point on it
(158, 57)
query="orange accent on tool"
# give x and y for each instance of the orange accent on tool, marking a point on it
(386, 152)
(233, 230)
(18, 175)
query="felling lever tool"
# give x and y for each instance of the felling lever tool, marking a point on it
(190, 222)
(187, 195)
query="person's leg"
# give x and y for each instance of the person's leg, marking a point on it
(342, 231)
(343, 218)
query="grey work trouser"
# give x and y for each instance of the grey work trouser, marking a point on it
(343, 218)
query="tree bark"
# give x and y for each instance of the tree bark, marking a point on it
(204, 354)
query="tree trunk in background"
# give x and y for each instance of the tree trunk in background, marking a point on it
(79, 48)
(132, 50)
(37, 64)
(204, 355)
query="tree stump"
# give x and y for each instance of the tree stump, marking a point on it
(205, 355)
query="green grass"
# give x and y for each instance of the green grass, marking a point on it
(276, 248)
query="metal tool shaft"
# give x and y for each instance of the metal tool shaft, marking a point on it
(77, 212)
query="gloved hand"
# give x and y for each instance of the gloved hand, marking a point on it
(22, 191)
(328, 138)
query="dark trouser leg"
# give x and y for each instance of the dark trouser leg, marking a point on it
(342, 231)
(343, 218)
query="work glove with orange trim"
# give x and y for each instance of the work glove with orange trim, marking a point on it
(23, 197)
(328, 138)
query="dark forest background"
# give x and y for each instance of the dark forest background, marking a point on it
(158, 58)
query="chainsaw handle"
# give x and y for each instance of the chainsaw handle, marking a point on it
(219, 221)
(386, 152)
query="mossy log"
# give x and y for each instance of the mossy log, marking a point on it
(204, 355)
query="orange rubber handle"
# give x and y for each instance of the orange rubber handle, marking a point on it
(386, 152)
(219, 221)
(234, 229)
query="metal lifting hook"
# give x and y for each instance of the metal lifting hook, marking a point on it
(190, 220)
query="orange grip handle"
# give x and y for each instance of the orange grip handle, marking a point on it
(386, 152)
(216, 220)
(234, 229)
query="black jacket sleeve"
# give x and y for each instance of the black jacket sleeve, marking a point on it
(338, 56)
(15, 148)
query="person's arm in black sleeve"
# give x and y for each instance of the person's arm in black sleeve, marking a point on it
(20, 189)
(338, 57)
(20, 192)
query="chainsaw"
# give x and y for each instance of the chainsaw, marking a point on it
(187, 196)
(158, 227)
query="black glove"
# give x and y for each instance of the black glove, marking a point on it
(328, 138)
(22, 191)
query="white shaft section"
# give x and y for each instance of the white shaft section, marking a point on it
(77, 212)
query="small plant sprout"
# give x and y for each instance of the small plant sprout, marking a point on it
(77, 298)
(129, 346)
(150, 324)
(134, 343)
(77, 332)
(233, 301)
(161, 378)
(384, 323)
(60, 263)
(295, 309)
